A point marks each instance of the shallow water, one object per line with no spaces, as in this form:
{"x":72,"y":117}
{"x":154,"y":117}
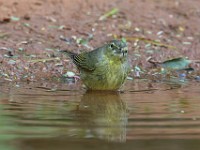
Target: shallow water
{"x":64,"y":116}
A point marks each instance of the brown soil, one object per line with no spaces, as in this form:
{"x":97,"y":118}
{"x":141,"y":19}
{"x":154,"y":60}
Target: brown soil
{"x":32,"y":30}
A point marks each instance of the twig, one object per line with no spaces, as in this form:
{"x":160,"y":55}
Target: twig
{"x":148,"y":41}
{"x":43,"y":60}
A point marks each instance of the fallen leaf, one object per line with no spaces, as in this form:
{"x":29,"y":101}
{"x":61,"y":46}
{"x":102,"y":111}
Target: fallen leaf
{"x":176,"y":63}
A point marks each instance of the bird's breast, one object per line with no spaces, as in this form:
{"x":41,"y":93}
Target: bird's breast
{"x":108,"y":75}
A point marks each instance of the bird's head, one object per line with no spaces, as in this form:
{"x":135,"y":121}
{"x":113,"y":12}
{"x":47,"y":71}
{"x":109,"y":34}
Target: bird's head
{"x":117,"y":49}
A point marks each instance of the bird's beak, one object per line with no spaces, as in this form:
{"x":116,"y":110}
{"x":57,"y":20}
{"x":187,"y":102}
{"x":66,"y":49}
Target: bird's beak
{"x":124,"y":51}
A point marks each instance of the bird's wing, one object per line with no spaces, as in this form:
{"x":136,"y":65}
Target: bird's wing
{"x":82,"y":61}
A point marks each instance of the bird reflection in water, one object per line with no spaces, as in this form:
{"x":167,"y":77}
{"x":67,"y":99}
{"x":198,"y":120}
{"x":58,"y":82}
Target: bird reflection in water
{"x":103,"y":115}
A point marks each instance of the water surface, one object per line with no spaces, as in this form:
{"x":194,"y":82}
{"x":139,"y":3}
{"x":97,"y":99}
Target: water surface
{"x":144,"y":115}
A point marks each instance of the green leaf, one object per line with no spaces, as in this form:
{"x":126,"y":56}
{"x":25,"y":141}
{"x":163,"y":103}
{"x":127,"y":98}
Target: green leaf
{"x":176,"y":63}
{"x":124,"y":40}
{"x":61,"y":27}
{"x":69,"y":74}
{"x":21,"y":49}
{"x":26,"y":24}
{"x":137,"y":68}
{"x":82,"y":41}
{"x":109,"y":14}
{"x":11,"y":62}
{"x":13,"y":18}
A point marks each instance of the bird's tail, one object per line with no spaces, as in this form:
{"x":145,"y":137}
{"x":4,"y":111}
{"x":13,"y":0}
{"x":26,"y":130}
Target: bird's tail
{"x":68,"y":53}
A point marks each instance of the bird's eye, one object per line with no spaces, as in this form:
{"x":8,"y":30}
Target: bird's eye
{"x":112,"y":45}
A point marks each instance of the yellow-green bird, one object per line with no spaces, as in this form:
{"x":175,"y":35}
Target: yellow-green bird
{"x":104,"y":68}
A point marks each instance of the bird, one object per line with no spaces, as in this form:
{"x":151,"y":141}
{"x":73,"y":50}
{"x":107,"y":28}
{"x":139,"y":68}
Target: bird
{"x":104,"y":68}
